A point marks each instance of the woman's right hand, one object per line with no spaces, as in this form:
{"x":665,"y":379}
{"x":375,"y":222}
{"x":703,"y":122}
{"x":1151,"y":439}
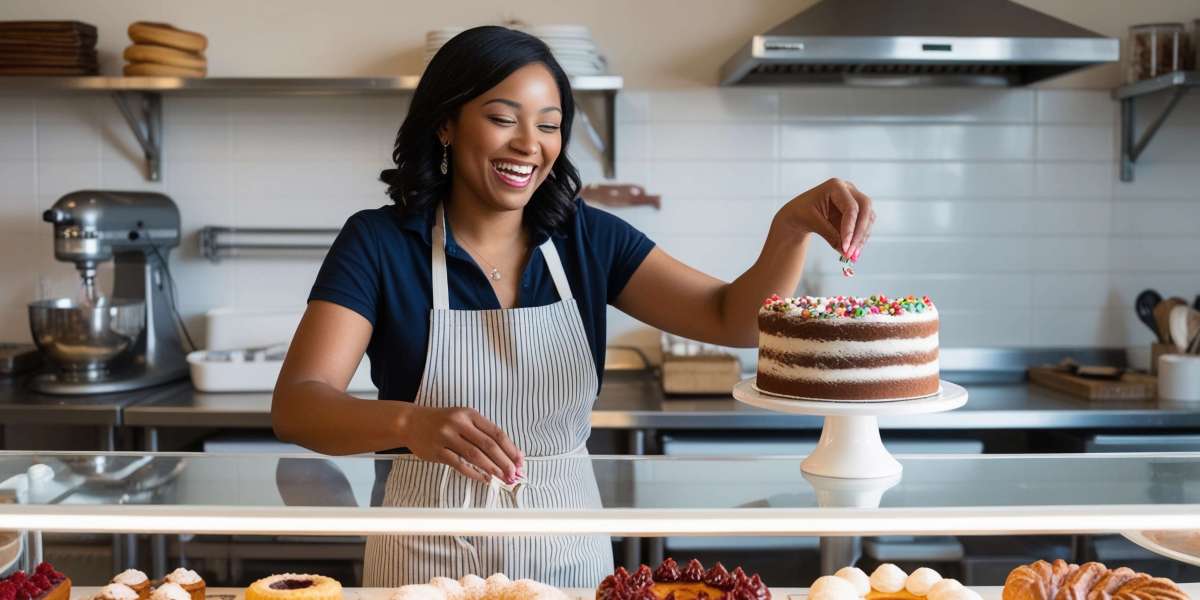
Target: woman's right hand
{"x":465,"y":440}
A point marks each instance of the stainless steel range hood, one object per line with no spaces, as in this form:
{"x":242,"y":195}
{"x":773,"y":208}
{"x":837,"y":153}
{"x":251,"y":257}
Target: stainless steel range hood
{"x":917,"y":42}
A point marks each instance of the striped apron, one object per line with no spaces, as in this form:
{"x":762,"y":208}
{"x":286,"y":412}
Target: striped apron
{"x":530,"y":371}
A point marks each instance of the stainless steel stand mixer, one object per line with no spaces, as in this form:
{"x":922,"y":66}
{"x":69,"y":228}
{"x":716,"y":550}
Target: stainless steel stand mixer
{"x":129,"y":341}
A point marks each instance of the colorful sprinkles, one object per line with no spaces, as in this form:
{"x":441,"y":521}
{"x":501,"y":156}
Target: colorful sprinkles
{"x":846,"y":307}
{"x":847,"y":265}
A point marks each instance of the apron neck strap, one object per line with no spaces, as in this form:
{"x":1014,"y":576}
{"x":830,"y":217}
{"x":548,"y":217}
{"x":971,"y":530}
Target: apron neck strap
{"x":441,"y":286}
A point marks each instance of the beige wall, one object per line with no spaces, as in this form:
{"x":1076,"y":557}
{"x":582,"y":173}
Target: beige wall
{"x":654,"y":44}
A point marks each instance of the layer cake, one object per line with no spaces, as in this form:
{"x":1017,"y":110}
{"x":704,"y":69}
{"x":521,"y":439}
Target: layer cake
{"x":848,"y":349}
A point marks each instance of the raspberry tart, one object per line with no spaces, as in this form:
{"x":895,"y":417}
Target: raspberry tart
{"x":669,"y":582}
{"x":44,"y":584}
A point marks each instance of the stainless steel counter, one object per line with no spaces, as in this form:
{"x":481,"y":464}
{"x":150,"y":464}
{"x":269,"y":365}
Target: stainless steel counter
{"x":627,"y":401}
{"x":20,"y":406}
{"x":635,"y":401}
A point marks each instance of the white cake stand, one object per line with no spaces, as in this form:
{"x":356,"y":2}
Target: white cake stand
{"x":850,"y":446}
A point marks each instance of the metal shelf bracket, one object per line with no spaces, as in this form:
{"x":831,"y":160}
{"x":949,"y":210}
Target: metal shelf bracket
{"x":143,"y":112}
{"x":604,"y":138}
{"x":1132,"y":145}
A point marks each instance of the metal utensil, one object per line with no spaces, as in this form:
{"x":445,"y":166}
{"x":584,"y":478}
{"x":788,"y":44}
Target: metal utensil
{"x":1145,"y":303}
{"x":82,"y":341}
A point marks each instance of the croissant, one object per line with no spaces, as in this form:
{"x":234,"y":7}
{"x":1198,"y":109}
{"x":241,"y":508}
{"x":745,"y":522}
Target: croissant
{"x":1091,"y":581}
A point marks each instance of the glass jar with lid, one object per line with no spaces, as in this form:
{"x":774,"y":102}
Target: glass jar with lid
{"x":1157,"y":49}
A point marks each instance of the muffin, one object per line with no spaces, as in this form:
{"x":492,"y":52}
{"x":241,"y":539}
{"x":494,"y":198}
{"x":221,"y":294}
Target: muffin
{"x":135,"y":580}
{"x":189,"y":580}
{"x":170,"y":591}
{"x":116,"y":591}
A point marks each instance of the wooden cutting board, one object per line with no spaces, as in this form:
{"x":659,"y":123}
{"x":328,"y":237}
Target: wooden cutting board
{"x":1131,"y":386}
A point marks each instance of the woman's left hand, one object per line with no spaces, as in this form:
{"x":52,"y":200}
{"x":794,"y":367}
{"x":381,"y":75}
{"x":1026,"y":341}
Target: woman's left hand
{"x":836,"y":211}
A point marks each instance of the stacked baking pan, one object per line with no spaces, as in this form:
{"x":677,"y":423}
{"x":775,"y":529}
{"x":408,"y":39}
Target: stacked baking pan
{"x":55,"y":48}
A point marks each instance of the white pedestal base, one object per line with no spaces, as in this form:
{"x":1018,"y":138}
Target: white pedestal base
{"x":850,"y":446}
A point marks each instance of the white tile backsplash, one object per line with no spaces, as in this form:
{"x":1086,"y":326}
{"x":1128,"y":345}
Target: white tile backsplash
{"x":1076,"y":142}
{"x":939,"y":105}
{"x":1075,"y":180}
{"x":940,"y":179}
{"x":672,"y":140}
{"x":714,"y":104}
{"x":681,"y":181}
{"x":1002,"y":204}
{"x":18,"y":140}
{"x":906,"y":142}
{"x":17,"y":109}
{"x":1076,"y":107}
{"x":1149,"y":217}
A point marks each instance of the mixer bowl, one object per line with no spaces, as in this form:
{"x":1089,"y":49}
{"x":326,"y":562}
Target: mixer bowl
{"x":84,"y":340}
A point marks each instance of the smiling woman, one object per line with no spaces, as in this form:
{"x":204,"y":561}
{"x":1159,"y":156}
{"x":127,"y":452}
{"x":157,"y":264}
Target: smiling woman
{"x":452,"y":122}
{"x":480,"y":297}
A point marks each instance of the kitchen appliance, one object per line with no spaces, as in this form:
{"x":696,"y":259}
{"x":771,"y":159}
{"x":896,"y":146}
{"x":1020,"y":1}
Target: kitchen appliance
{"x":130,"y":341}
{"x":917,"y":42}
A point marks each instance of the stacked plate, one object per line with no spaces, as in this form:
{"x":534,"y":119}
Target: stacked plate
{"x":572,"y":46}
{"x":436,"y":38}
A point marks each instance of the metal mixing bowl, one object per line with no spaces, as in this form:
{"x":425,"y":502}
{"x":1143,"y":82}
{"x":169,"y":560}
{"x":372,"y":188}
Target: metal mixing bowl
{"x":84,"y":340}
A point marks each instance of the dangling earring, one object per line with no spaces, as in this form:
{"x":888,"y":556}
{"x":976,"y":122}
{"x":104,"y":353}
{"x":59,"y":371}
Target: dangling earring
{"x":445,"y":158}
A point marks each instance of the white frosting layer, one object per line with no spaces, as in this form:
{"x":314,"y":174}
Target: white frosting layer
{"x":170,"y":591}
{"x":920,"y":581}
{"x":130,"y":577}
{"x":888,"y":578}
{"x":116,"y":591}
{"x":889,"y":373}
{"x":857,"y":577}
{"x":847,"y":348}
{"x":183,"y":576}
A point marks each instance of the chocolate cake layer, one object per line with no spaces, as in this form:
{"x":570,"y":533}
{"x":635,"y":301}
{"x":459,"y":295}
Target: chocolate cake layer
{"x":848,"y":391}
{"x":826,"y":361}
{"x":785,"y":326}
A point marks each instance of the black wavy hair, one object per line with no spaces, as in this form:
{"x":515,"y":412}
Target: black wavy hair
{"x":468,"y":65}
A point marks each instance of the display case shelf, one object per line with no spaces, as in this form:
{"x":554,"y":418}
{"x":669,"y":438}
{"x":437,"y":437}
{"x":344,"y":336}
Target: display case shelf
{"x":140,"y":100}
{"x":649,"y":496}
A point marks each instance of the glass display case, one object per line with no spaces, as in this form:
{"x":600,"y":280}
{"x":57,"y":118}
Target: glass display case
{"x":1152,"y":498}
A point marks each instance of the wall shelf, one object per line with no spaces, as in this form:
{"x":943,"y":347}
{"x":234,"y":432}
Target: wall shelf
{"x":140,"y":100}
{"x":1177,"y":83}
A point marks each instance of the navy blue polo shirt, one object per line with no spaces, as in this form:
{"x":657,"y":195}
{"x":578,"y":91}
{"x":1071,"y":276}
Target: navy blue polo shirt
{"x":379,"y":266}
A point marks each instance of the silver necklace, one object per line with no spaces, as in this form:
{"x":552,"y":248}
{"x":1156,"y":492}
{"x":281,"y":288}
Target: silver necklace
{"x":495,"y":274}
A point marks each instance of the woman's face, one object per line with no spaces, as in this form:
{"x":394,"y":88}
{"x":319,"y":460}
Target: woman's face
{"x":505,"y":141}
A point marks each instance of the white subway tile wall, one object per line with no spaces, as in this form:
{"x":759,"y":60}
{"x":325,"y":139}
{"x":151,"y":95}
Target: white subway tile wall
{"x":1003,"y":205}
